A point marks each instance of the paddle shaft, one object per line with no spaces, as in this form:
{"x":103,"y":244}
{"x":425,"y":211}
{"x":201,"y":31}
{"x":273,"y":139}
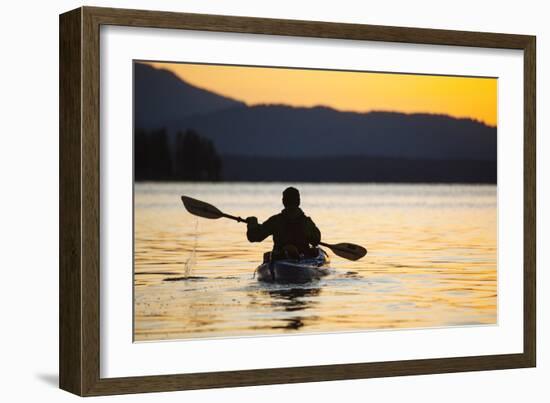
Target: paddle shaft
{"x":239,"y":219}
{"x":232,"y":217}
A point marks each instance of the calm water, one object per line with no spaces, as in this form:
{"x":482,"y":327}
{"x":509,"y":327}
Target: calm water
{"x":431,"y":260}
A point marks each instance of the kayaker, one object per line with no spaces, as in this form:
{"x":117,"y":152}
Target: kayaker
{"x":293,"y":232}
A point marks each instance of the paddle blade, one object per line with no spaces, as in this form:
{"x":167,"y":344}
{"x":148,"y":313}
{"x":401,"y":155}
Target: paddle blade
{"x":200,"y":208}
{"x":347,"y":250}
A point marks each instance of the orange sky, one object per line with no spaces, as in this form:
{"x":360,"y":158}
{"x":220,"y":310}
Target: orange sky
{"x":348,"y":91}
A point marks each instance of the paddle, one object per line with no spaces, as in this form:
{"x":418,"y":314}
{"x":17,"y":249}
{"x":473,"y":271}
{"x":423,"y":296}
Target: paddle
{"x":205,"y":210}
{"x":346,"y":250}
{"x":199,"y":208}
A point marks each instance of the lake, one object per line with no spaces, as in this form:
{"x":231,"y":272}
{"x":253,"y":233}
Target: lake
{"x":432,"y":260}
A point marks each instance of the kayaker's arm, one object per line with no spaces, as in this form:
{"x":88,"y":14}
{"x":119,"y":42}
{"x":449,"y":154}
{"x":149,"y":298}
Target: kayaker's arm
{"x":312,"y":232}
{"x":258,"y":232}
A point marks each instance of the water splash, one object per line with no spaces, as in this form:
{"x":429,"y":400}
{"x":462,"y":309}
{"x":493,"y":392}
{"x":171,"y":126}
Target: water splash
{"x":192,"y":259}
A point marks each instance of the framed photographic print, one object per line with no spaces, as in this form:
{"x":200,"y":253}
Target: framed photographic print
{"x":249,"y":201}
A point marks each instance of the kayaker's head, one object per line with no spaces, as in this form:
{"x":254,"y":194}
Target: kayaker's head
{"x":291,"y":197}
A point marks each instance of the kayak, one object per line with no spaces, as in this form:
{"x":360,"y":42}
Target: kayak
{"x":294,"y":271}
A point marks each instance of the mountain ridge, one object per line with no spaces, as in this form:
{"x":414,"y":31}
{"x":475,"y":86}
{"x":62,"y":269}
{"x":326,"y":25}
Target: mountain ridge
{"x":163,"y":100}
{"x":281,"y":130}
{"x":160,"y":96}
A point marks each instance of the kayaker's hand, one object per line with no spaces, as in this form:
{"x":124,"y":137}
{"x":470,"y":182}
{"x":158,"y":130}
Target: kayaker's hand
{"x":252,"y":221}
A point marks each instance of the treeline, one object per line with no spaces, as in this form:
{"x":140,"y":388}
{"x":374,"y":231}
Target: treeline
{"x":357,"y":169}
{"x":191,"y":157}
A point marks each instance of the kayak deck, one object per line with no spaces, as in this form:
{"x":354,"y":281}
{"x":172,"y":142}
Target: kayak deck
{"x":294,"y":271}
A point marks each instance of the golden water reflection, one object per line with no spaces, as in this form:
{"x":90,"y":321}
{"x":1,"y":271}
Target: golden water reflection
{"x":431,"y":261}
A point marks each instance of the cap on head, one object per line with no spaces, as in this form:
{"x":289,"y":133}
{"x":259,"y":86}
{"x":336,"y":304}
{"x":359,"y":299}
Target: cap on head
{"x":291,"y":197}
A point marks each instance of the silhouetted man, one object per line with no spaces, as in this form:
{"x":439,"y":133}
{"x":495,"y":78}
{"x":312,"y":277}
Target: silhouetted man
{"x":292,"y":231}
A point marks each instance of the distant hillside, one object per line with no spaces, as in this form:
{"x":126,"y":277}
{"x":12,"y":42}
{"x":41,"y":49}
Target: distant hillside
{"x":160,"y":97}
{"x":279,"y":130}
{"x":281,"y":142}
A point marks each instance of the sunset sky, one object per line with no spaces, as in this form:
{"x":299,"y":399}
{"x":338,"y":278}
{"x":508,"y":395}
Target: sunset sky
{"x":474,"y":98}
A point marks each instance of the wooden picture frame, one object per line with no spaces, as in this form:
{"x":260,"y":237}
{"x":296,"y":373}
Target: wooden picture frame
{"x":79,"y":346}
